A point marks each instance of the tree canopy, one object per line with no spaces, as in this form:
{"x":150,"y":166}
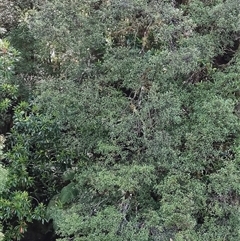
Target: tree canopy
{"x":120,"y":120}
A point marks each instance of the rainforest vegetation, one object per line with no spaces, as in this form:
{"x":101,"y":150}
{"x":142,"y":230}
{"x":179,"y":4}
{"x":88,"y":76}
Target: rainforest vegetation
{"x":119,"y":120}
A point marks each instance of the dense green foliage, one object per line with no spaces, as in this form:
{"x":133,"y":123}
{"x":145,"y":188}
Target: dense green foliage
{"x":121,"y":119}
